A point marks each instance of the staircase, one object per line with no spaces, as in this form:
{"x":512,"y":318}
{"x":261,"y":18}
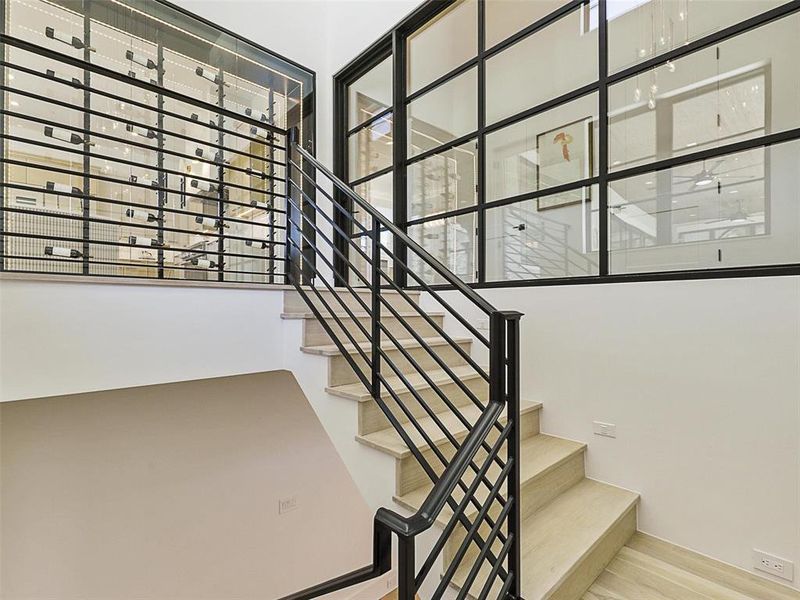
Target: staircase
{"x":485,"y":505}
{"x":572,"y":527}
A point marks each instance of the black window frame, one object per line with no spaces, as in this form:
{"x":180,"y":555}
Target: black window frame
{"x":396,"y":40}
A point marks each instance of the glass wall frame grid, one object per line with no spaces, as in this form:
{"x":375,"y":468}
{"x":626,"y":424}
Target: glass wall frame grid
{"x":603,"y":176}
{"x":218,"y":248}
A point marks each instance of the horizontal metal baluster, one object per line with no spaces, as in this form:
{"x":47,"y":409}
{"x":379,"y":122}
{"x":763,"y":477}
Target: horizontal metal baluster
{"x":37,"y":236}
{"x":430,"y":562}
{"x":428,"y":288}
{"x":343,"y":304}
{"x":166,"y":209}
{"x":140,"y":83}
{"x":472,"y":533}
{"x":122,"y":182}
{"x":142,"y":226}
{"x":511,"y":579}
{"x":476,"y":538}
{"x":91,"y":197}
{"x":134,"y":143}
{"x":137,"y":265}
{"x":122,"y":120}
{"x":434,"y":416}
{"x":167,"y":113}
{"x":123,"y":161}
{"x":385,"y":302}
{"x":487,"y":587}
{"x":336,"y":205}
{"x":476,"y":567}
{"x":416,"y":395}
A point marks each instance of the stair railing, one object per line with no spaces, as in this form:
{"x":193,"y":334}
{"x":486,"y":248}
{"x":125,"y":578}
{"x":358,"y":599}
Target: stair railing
{"x":480,"y":482}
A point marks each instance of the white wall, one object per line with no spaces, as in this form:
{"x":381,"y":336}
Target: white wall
{"x":62,"y":338}
{"x":172,"y":491}
{"x":702,"y":379}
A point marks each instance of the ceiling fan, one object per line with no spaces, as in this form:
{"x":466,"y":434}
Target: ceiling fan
{"x":705,"y":177}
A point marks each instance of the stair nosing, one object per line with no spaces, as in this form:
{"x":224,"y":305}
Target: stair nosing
{"x":366,"y":395}
{"x":332,"y":350}
{"x":310,"y":316}
{"x":630,"y":503}
{"x":441,"y":439}
{"x":576,"y":449}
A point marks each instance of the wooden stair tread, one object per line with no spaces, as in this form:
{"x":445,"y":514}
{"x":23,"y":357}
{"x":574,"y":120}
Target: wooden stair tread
{"x":539,"y":454}
{"x":691,"y":564}
{"x":332,"y":350}
{"x":389,"y":440}
{"x":357,"y":391}
{"x":556,"y":538}
{"x":359,"y":315}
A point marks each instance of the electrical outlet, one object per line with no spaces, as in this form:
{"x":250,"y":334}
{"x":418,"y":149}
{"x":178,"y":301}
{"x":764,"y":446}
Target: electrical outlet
{"x":391,"y":582}
{"x":780,"y":567}
{"x":605,"y":429}
{"x":287,"y":504}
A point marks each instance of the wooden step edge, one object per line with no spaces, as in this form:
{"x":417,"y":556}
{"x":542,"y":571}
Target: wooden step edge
{"x":407,"y":343}
{"x":366,"y":396}
{"x":409,"y":501}
{"x":567,"y":588}
{"x":358,"y":290}
{"x":310,"y":316}
{"x":369,"y":439}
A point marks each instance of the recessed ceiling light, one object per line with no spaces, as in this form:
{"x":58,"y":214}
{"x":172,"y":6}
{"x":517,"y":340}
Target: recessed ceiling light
{"x":691,"y":144}
{"x":734,"y":192}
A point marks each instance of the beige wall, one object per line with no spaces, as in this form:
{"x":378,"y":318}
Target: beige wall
{"x":171,"y":491}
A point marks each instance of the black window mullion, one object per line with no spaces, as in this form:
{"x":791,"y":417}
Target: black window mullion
{"x":221,"y":191}
{"x":602,"y":155}
{"x":3,"y":99}
{"x":162,"y":175}
{"x":480,"y":232}
{"x":399,"y":149}
{"x":87,"y":125}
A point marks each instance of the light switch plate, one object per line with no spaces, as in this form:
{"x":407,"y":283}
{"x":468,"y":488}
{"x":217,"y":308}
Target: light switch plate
{"x":605,"y":429}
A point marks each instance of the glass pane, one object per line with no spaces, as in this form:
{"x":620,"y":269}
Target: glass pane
{"x":444,"y":114}
{"x":547,"y":64}
{"x":550,"y":236}
{"x":370,"y":94}
{"x":379,"y":193}
{"x":443,"y":182}
{"x":736,"y":210}
{"x":370,"y":149}
{"x":552,"y":148}
{"x":442,"y":44}
{"x":451,"y":241}
{"x":746,"y":87}
{"x":641,"y":29}
{"x":506,"y":17}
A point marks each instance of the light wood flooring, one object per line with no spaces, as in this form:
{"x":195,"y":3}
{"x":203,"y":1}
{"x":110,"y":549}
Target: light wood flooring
{"x":651,"y":569}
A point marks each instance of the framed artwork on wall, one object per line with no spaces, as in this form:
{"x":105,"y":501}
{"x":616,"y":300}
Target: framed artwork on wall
{"x":564,"y":156}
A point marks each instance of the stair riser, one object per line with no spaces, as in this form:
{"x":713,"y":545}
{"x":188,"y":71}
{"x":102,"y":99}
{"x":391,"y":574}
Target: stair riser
{"x":293,"y":303}
{"x":371,"y":418}
{"x":314,"y":333}
{"x":410,"y":474}
{"x":340,"y":372}
{"x":535,"y":494}
{"x":591,"y":565}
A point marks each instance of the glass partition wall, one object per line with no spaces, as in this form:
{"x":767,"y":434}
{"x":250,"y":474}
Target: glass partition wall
{"x":140,"y":141}
{"x":576,"y":141}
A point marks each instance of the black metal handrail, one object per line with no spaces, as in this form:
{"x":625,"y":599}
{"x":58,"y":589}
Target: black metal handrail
{"x":478,"y":471}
